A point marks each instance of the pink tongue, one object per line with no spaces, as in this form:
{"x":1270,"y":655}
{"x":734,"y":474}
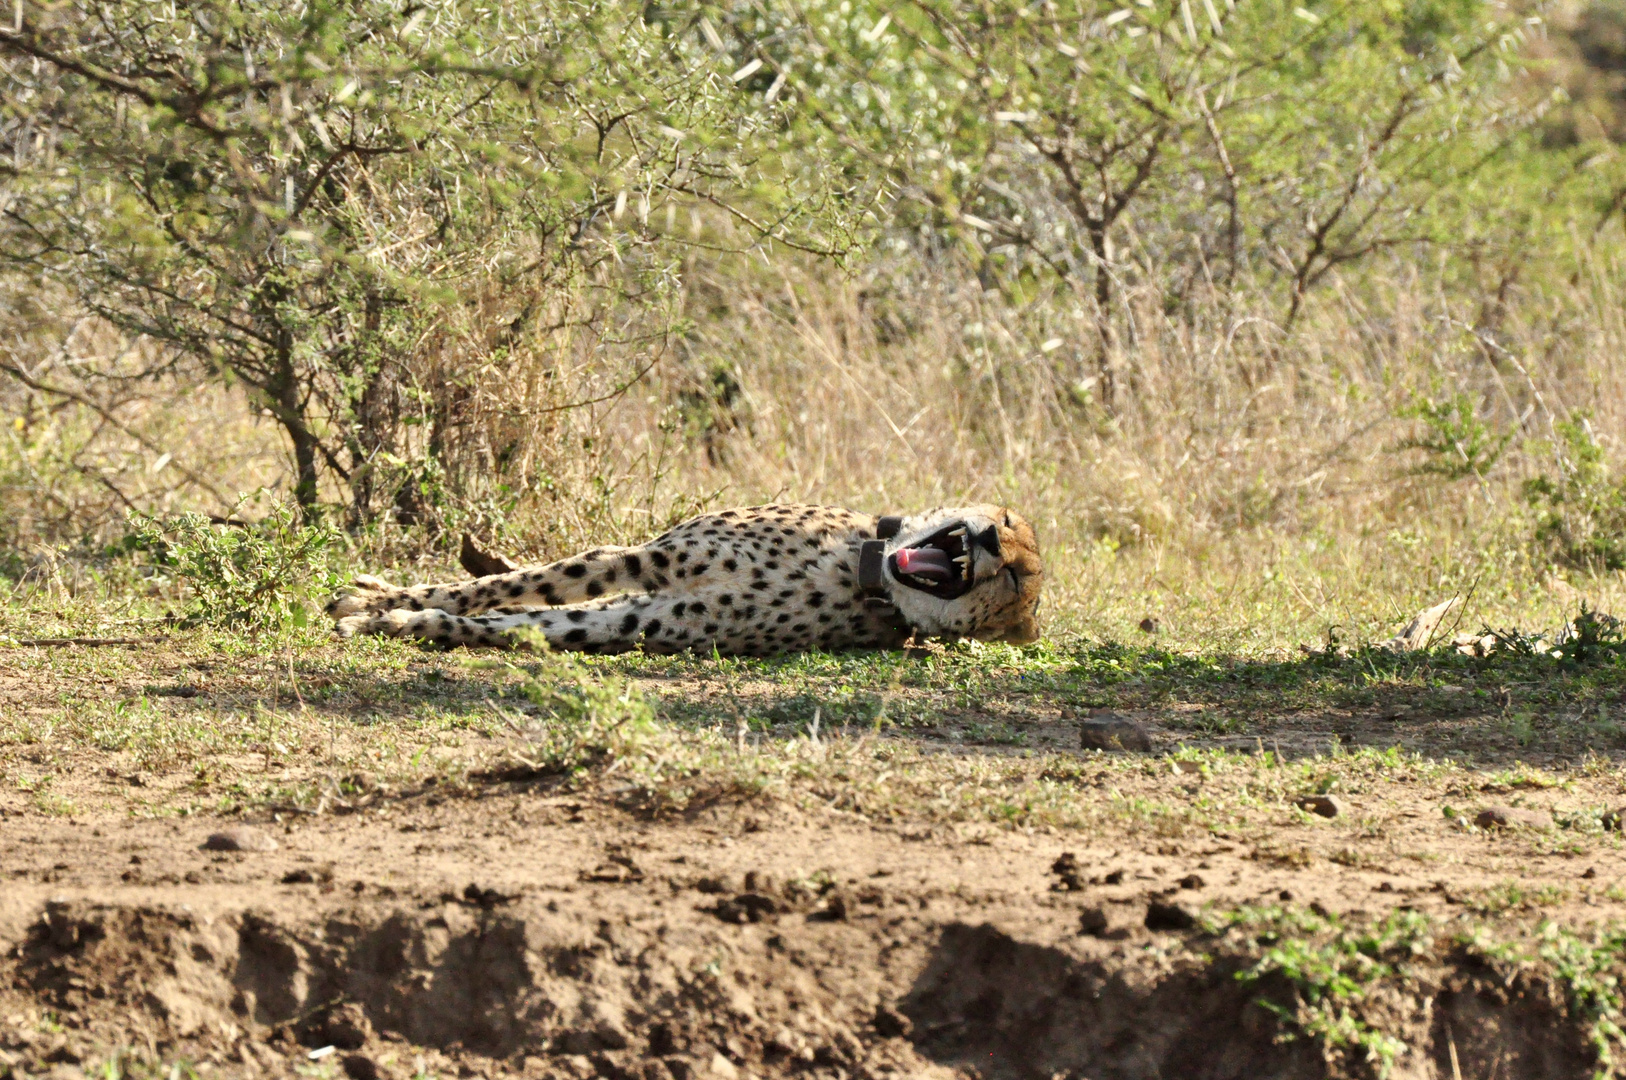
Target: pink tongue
{"x":927,"y":562}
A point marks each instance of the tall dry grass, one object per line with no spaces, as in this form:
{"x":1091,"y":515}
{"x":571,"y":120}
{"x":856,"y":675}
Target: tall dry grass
{"x":1248,"y":486}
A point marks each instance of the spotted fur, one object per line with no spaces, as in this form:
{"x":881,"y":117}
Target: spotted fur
{"x":752,"y":582}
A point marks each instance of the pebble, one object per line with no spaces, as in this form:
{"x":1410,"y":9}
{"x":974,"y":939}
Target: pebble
{"x":1513,"y":817}
{"x":240,"y":838}
{"x":1109,"y":731}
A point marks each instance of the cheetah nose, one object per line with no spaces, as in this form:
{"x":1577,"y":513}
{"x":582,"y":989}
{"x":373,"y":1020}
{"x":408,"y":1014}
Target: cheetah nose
{"x":988,"y":539}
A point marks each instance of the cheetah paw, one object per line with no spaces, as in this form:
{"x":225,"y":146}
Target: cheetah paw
{"x":367,"y":595}
{"x":389,"y":624}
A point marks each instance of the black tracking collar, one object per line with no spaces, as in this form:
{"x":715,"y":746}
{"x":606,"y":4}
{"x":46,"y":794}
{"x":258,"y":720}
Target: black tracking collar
{"x":872,"y":556}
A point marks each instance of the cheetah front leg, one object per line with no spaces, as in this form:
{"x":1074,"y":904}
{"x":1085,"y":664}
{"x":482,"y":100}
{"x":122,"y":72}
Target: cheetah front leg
{"x":658,"y":624}
{"x":600,"y":572}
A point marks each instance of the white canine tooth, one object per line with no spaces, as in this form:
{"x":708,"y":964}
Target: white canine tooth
{"x":958,"y":532}
{"x":962,"y":559}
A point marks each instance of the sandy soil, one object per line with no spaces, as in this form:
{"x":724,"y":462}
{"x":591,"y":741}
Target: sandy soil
{"x":516,"y":930}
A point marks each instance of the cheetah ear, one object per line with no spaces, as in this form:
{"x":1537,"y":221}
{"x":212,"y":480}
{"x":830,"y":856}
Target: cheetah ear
{"x":483,"y":564}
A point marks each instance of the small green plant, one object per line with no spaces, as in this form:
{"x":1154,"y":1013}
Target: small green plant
{"x":253,"y":576}
{"x":1581,"y":510}
{"x":1455,"y":442}
{"x":1330,"y":969}
{"x":585,"y":718}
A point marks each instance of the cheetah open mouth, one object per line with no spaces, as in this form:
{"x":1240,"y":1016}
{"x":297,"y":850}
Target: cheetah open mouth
{"x":939,"y":565}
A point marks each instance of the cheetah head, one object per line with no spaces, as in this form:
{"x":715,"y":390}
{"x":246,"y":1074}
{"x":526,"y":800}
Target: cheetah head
{"x":967,"y":571}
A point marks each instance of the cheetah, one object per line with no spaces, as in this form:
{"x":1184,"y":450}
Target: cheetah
{"x":757,"y":581}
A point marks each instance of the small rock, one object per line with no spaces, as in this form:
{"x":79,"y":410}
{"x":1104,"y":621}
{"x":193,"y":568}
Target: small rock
{"x":1285,"y":896}
{"x":1192,"y":881}
{"x":1327,"y":806}
{"x":756,"y":881}
{"x":1590,"y":873}
{"x":711,"y":886}
{"x":240,"y":838}
{"x":1116,"y":877}
{"x":1150,"y":625}
{"x":1513,"y":817}
{"x":1612,"y":819}
{"x":892,"y":1024}
{"x":1109,"y":731}
{"x":722,"y":1068}
{"x":1161,"y":915}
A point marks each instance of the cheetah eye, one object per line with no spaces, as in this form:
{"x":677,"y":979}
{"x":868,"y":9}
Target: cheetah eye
{"x":1016,"y":582}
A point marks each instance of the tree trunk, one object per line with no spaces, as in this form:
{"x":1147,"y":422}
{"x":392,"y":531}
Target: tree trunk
{"x":1103,"y":303}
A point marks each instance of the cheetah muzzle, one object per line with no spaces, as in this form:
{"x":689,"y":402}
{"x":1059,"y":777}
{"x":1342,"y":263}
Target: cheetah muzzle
{"x":755,"y":581}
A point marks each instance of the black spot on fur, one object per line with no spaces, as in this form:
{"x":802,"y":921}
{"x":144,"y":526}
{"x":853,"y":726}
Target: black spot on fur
{"x":697,"y":608}
{"x":659,"y":559}
{"x":575,"y":570}
{"x":726,"y":600}
{"x":595,"y":589}
{"x":730,"y":565}
{"x":629,"y":624}
{"x":576,"y":636}
{"x":576,"y":616}
{"x":652,"y":627}
{"x":679,"y":609}
{"x":635,"y":566}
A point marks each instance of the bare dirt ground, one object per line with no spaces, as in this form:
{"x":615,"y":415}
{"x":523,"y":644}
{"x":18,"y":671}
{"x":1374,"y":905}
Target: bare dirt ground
{"x":512,"y":929}
{"x":965,"y":893}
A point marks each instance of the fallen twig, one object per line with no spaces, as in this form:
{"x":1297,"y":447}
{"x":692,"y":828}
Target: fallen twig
{"x":55,"y":642}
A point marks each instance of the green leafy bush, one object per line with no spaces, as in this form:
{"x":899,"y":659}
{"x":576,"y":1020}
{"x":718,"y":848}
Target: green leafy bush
{"x":1581,"y":509}
{"x":256,"y":576}
{"x":1455,"y":441}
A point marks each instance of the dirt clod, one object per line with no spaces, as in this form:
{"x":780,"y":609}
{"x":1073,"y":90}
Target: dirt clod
{"x":1513,"y":817}
{"x":1066,"y":869}
{"x":1110,"y":731}
{"x":1192,"y":881}
{"x":892,"y":1024}
{"x":1163,"y":915}
{"x":1111,"y":921}
{"x":746,"y":907}
{"x":240,"y":838}
{"x":360,"y":1067}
